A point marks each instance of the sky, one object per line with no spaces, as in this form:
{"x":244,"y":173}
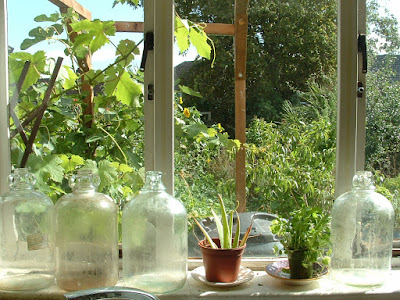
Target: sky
{"x":22,"y":12}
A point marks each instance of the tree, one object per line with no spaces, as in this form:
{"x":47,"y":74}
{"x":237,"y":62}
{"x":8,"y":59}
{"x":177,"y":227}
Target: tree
{"x":383,"y":127}
{"x":289,"y":42}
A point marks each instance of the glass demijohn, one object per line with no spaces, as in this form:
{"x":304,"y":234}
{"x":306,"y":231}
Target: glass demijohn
{"x":86,"y":236}
{"x":26,"y":256}
{"x":362,"y":234}
{"x":154,"y":239}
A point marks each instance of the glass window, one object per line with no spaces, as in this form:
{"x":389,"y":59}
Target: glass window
{"x":382,"y":122}
{"x":291,"y":107}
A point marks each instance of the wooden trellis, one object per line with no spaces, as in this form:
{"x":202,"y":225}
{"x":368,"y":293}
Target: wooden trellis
{"x":239,"y":31}
{"x":37,"y":115}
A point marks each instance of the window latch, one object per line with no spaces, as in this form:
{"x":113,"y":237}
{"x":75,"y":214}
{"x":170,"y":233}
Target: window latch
{"x":362,"y":47}
{"x":360,"y":89}
{"x":148,"y":45}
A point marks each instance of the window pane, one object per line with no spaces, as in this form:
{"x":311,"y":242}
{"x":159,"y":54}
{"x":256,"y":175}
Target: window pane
{"x":94,"y":117}
{"x":291,"y":110}
{"x":383,"y":127}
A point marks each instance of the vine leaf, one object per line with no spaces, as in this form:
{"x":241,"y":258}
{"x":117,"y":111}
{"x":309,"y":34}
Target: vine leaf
{"x":189,"y":91}
{"x":52,"y":168}
{"x":126,"y":50}
{"x":107,"y":173}
{"x":70,"y":163}
{"x":199,"y":39}
{"x":182,"y":35}
{"x":70,"y":80}
{"x":93,"y":34}
{"x":52,"y":18}
{"x":37,"y":66}
{"x":123,"y":87}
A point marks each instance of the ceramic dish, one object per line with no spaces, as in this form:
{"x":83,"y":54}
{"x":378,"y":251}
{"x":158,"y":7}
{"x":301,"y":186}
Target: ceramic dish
{"x":245,"y":275}
{"x":280,"y":270}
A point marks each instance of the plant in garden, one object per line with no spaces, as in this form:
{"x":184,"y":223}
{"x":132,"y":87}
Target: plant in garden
{"x":290,"y":165}
{"x":307,"y":229}
{"x":228,"y":239}
{"x":197,"y":146}
{"x":107,"y":138}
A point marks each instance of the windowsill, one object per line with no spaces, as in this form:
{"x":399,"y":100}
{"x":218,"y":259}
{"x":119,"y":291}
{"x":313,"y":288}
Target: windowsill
{"x":262,"y":286}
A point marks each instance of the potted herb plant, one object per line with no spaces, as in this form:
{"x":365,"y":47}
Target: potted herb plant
{"x":222,"y":255}
{"x":305,"y":237}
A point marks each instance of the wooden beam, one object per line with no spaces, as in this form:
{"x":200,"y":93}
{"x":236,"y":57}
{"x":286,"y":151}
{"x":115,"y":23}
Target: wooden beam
{"x":80,"y":9}
{"x":241,"y":22}
{"x":219,"y":29}
{"x":211,"y":28}
{"x":122,"y":26}
{"x":42,"y":110}
{"x":85,"y":64}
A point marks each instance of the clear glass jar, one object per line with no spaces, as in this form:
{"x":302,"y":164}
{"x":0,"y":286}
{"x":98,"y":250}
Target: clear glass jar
{"x":86,"y":236}
{"x":26,"y":259}
{"x":154,"y":239}
{"x":362,"y":234}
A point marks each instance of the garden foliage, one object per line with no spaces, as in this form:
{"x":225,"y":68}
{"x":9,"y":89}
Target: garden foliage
{"x":290,"y":162}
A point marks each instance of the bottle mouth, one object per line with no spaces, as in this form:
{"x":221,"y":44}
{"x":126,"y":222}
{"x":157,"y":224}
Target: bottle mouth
{"x":153,"y":181}
{"x":363,"y":180}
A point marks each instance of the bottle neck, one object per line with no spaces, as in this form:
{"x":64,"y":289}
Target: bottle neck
{"x":363,"y":180}
{"x":153,"y":182}
{"x":21,"y":179}
{"x":85,"y":182}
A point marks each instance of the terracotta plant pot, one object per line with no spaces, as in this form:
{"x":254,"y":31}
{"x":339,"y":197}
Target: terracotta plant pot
{"x":297,"y":270}
{"x":221,"y":265}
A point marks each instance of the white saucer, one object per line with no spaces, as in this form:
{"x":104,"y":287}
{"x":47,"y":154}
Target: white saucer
{"x":245,"y":275}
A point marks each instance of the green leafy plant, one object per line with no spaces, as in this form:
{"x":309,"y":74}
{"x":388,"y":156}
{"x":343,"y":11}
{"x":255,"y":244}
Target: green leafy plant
{"x":308,"y":230}
{"x":228,"y":240}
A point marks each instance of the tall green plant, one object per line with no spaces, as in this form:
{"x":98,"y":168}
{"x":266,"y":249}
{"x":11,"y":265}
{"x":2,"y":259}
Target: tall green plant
{"x":113,"y":144}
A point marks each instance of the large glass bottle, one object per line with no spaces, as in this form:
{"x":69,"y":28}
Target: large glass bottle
{"x":26,"y":256}
{"x":86,"y":236}
{"x":362,"y":234}
{"x":154,"y":239}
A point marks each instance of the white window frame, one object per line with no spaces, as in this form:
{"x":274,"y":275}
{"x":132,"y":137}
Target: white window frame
{"x":350,"y":140}
{"x":5,"y":156}
{"x":159,"y":72}
{"x":159,"y":116}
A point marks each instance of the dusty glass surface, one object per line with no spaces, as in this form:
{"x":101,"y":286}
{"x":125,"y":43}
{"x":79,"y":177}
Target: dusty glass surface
{"x":27,"y":261}
{"x":362,"y":234}
{"x":154,"y":239}
{"x":86,"y":237}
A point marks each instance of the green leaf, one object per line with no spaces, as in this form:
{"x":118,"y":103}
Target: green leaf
{"x":52,"y":167}
{"x":131,"y":2}
{"x":227,"y":243}
{"x":107,"y":173}
{"x":93,"y":33}
{"x":52,"y":18}
{"x":237,"y":233}
{"x":127,"y":49}
{"x":70,"y":81}
{"x":95,"y":137}
{"x":207,"y":236}
{"x":195,"y":129}
{"x":187,"y":90}
{"x":70,"y":163}
{"x":17,"y":61}
{"x":39,"y":34}
{"x":182,"y":35}
{"x":199,"y":39}
{"x":127,"y":90}
{"x":220,"y":229}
